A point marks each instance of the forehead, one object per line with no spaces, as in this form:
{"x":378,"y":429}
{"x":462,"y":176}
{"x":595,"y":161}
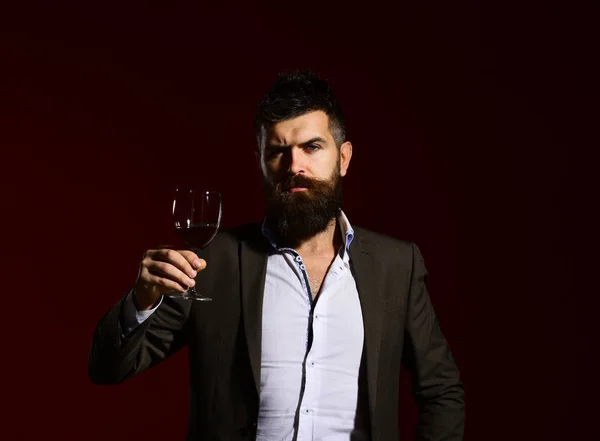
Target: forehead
{"x":300,"y":129}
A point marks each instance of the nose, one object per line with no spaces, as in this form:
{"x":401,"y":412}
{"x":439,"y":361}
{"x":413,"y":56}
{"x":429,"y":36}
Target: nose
{"x":296,"y":161}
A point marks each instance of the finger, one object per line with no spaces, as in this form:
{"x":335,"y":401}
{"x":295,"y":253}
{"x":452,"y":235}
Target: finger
{"x":196,"y":262}
{"x":164,"y":284}
{"x":176,"y":259}
{"x":169,"y":271}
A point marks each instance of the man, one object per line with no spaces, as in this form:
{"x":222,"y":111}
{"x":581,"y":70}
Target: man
{"x":311,"y":317}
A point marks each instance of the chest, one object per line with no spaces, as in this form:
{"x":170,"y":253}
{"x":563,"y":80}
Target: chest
{"x":316,"y":270}
{"x":334,"y":323}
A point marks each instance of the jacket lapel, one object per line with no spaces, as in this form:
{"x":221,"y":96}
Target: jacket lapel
{"x":365,"y":270}
{"x":254,"y":253}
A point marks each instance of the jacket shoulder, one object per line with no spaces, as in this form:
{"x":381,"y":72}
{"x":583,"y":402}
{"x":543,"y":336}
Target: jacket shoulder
{"x":381,"y":240}
{"x":386,"y":248}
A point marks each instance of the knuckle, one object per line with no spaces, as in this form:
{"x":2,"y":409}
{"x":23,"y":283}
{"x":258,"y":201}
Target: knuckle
{"x":144,"y":274}
{"x":160,"y":281}
{"x":190,"y":256}
{"x":146,"y":262}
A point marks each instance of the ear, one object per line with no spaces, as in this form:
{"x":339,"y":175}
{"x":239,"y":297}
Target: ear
{"x":345,"y":156}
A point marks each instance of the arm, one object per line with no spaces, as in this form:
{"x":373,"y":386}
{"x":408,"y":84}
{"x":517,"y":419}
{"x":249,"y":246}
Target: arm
{"x":116,"y":355}
{"x":124,"y":345}
{"x":436,"y":386}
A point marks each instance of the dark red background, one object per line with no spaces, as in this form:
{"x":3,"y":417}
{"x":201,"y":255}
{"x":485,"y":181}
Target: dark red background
{"x":467,"y":121}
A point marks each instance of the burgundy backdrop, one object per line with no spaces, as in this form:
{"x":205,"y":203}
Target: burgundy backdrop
{"x":463,"y":117}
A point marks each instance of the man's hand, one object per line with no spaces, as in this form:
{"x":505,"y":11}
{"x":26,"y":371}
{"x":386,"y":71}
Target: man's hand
{"x":165,"y":271}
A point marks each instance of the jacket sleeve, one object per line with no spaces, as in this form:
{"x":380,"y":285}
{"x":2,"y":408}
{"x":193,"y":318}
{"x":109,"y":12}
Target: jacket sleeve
{"x":113,"y":357}
{"x":436,"y":386}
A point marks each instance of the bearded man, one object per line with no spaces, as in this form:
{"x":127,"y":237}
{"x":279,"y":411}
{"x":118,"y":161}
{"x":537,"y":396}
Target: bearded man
{"x":311,"y":317}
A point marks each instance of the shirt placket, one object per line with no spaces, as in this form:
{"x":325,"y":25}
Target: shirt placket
{"x":305,"y":413}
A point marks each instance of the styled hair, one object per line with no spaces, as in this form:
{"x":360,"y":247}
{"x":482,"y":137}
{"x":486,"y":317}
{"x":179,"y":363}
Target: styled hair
{"x":294,"y":94}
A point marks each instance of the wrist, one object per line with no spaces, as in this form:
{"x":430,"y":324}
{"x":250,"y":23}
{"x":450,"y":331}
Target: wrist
{"x":143,"y":302}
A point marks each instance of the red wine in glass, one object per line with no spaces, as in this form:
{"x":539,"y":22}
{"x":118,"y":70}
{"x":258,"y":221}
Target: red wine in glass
{"x":198,"y":236}
{"x":196,"y":219}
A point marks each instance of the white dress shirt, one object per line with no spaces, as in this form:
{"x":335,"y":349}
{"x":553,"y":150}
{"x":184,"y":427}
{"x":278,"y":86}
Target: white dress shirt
{"x":311,"y":350}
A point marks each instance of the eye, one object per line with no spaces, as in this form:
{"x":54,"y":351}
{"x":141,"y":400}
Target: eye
{"x":313,"y":147}
{"x":274,"y":152}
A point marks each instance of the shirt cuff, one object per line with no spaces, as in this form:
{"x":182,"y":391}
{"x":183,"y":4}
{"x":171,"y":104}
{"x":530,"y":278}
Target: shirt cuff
{"x":132,"y":318}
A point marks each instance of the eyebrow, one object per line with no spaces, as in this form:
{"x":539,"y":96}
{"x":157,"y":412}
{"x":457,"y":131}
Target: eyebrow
{"x":310,"y":141}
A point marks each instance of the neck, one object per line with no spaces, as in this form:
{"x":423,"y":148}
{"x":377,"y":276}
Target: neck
{"x":324,"y":242}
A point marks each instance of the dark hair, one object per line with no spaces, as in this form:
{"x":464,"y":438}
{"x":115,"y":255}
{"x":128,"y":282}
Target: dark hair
{"x":295,"y":94}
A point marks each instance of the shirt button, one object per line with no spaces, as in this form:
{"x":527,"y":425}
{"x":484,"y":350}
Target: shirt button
{"x":306,"y":410}
{"x":303,"y":266}
{"x":312,"y":363}
{"x":298,"y":259}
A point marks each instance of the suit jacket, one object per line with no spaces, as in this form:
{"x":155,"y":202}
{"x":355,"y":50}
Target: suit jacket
{"x":224,"y":339}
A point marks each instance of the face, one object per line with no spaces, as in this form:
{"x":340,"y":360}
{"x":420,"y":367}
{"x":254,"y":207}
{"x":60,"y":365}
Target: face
{"x":302,"y":169}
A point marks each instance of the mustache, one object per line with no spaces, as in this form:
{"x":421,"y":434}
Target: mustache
{"x":297,"y":181}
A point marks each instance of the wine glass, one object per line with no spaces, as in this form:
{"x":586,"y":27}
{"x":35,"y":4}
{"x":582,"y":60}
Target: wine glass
{"x":196,"y":219}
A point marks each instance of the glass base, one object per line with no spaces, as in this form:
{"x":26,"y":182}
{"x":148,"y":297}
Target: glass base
{"x":192,"y":294}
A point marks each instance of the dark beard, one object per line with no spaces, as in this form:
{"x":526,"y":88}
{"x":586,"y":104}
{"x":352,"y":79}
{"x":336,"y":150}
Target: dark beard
{"x":294,"y":217}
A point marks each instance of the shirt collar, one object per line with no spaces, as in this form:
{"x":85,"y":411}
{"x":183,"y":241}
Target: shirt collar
{"x":343,"y":222}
